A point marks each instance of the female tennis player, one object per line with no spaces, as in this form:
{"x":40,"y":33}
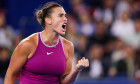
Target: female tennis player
{"x":46,"y":57}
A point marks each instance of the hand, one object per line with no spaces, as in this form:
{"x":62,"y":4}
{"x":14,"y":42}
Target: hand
{"x":83,"y":63}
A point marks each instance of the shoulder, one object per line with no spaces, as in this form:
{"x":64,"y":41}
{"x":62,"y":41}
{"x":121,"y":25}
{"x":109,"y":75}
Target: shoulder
{"x":29,"y":42}
{"x":68,"y":48}
{"x":66,"y":42}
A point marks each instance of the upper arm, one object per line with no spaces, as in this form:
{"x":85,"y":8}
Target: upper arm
{"x":19,"y":57}
{"x":68,"y":65}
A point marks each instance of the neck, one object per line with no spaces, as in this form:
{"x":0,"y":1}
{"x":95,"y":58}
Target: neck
{"x":49,"y":37}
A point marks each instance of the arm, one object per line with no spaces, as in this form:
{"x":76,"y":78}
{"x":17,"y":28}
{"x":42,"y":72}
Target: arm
{"x":18,"y":59}
{"x":69,"y":75}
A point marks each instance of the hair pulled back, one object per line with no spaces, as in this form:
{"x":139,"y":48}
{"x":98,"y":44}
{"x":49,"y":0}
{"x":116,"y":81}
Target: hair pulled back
{"x":45,"y":11}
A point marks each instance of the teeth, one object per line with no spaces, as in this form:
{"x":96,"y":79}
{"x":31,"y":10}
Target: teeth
{"x":64,"y":25}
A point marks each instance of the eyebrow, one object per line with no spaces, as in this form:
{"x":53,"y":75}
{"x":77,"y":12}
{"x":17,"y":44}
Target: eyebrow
{"x":63,"y":14}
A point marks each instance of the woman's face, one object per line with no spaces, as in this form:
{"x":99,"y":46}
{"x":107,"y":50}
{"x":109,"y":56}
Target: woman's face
{"x":58,"y":20}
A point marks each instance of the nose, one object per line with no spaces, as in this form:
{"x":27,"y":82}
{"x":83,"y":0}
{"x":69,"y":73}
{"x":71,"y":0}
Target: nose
{"x":65,"y":19}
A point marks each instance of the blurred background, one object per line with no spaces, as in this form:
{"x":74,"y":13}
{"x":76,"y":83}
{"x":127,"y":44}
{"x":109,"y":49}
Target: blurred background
{"x":107,"y":32}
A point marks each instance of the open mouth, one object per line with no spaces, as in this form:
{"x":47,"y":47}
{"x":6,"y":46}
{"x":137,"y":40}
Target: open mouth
{"x":64,"y":26}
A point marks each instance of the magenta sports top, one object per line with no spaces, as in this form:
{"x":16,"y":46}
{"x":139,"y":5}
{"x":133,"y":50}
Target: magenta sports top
{"x":46,"y":65}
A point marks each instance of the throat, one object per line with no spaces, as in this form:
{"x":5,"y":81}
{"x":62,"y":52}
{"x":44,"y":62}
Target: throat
{"x":49,"y":39}
{"x":51,"y":43}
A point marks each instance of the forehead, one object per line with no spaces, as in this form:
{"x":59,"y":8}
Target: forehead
{"x":59,"y":10}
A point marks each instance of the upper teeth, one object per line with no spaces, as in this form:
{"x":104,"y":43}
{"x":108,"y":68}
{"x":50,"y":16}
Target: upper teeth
{"x":64,"y":24}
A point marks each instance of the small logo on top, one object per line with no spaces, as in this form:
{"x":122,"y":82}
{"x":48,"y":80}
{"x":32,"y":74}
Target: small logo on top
{"x":49,"y":53}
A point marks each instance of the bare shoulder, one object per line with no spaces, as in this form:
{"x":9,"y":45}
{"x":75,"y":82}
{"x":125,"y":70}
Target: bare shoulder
{"x":29,"y":42}
{"x":66,"y":42}
{"x":68,"y":48}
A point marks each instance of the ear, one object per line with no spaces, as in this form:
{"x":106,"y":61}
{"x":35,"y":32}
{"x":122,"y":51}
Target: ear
{"x":48,"y":20}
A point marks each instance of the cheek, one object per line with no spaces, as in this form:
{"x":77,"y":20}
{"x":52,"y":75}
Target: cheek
{"x":58,"y":23}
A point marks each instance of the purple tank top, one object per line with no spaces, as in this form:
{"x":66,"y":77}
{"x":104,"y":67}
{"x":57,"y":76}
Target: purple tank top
{"x":45,"y":66}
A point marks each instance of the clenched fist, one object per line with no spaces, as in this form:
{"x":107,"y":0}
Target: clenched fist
{"x":83,"y":63}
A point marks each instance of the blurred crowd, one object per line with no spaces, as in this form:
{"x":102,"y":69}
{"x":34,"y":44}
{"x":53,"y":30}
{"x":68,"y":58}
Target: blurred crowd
{"x":9,"y":39}
{"x":107,"y":32}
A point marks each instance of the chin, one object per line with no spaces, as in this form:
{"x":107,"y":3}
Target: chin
{"x":62,"y":33}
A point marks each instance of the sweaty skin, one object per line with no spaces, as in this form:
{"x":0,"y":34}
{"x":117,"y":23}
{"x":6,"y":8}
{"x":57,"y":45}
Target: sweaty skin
{"x":27,"y":47}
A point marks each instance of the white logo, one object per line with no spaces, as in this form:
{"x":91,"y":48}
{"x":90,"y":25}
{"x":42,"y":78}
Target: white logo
{"x":49,"y":53}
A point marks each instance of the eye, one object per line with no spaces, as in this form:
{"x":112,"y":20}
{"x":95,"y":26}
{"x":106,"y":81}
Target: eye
{"x":61,"y":15}
{"x":66,"y":15}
